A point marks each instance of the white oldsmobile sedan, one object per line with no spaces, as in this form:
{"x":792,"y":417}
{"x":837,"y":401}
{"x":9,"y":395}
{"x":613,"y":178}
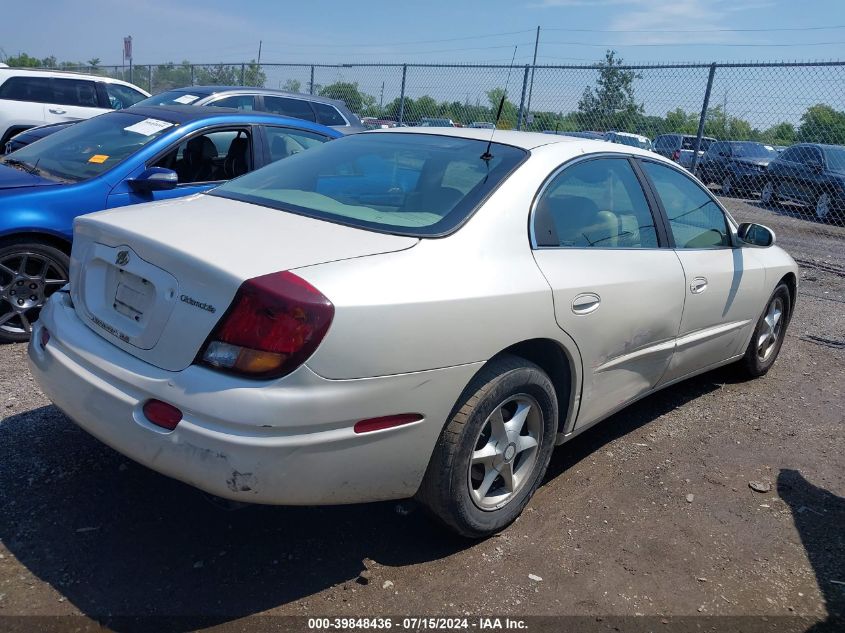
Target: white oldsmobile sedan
{"x":415,"y":312}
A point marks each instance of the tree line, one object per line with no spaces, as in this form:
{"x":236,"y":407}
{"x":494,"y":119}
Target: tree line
{"x":611,"y":104}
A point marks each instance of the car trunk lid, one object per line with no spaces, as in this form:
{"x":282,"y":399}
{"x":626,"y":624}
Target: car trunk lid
{"x":155,"y":279}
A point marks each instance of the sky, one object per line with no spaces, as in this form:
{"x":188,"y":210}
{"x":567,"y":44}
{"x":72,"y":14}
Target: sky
{"x":319,"y":31}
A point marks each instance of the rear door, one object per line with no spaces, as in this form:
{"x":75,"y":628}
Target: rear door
{"x":618,"y":289}
{"x":73,"y":99}
{"x":723,"y":283}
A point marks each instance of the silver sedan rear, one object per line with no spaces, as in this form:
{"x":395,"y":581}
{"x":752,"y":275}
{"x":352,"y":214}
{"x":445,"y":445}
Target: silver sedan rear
{"x":405,"y":313}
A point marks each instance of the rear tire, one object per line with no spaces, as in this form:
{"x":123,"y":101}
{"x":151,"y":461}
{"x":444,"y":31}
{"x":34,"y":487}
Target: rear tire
{"x":29,"y":273}
{"x":493,"y":453}
{"x":765,"y":344}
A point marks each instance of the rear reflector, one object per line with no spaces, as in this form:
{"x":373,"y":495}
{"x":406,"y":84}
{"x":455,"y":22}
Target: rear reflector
{"x":162,"y":414}
{"x":387,"y":422}
{"x":44,"y":337}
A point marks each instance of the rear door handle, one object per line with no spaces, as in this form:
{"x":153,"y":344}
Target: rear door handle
{"x":585,"y":303}
{"x":58,"y":111}
{"x":698,"y":285}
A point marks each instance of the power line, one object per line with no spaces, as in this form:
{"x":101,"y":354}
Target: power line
{"x":772,"y":30}
{"x":451,"y":39}
{"x":659,"y":44}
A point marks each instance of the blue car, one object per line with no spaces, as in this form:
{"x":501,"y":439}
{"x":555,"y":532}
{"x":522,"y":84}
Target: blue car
{"x":116,"y":159}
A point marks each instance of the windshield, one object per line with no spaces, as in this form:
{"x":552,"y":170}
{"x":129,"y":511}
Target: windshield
{"x":88,"y":148}
{"x":410,"y":184}
{"x":835,"y":157}
{"x":633,"y":141}
{"x":753,"y":150}
{"x":172,"y":97}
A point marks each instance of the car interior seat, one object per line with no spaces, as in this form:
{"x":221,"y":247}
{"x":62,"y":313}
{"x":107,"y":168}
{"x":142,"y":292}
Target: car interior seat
{"x":284,"y":146}
{"x":197,"y":162}
{"x":574,"y":221}
{"x":237,"y":158}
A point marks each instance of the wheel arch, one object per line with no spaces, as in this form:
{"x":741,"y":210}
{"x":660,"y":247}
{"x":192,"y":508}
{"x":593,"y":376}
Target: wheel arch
{"x":791,"y":282}
{"x":12,"y":130}
{"x":50,"y":239}
{"x":554,"y":359}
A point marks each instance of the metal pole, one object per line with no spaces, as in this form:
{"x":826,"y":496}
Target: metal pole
{"x":311,"y":85}
{"x":703,"y":117}
{"x":533,"y":68}
{"x":150,"y":78}
{"x":522,"y":100}
{"x":192,"y":74}
{"x":402,"y":94}
{"x":243,"y":74}
{"x":130,"y":71}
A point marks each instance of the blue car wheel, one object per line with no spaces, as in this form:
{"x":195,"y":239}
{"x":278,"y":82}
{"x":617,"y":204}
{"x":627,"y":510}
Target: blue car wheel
{"x":29,"y":273}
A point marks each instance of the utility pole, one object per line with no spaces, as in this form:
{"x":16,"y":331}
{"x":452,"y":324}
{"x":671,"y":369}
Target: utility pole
{"x":259,"y":53}
{"x":533,"y":69}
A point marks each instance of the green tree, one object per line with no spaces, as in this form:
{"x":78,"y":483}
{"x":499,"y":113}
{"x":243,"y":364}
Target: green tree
{"x":292,"y":85}
{"x":347,"y":92}
{"x":507,"y":120}
{"x":822,"y":123}
{"x":680,"y":122}
{"x":253,"y":75}
{"x":611,"y":104}
{"x":780,"y":134}
{"x":23,"y":61}
{"x":168,"y":76}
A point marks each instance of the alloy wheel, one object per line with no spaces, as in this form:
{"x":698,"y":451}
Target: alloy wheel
{"x":26,"y":280}
{"x":727,"y":185}
{"x":768,"y":193}
{"x":505,"y":452}
{"x":769,"y":333}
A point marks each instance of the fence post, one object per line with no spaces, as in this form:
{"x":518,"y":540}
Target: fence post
{"x":703,"y":118}
{"x":311,"y":85}
{"x":243,"y":74}
{"x":192,"y":74}
{"x":150,"y":78}
{"x":522,"y":100}
{"x":402,"y":94}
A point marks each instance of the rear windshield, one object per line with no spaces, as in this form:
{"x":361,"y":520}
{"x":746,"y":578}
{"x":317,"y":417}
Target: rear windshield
{"x":173,"y":97}
{"x":835,"y":158}
{"x":88,"y":148}
{"x":689,"y":143}
{"x":408,"y":184}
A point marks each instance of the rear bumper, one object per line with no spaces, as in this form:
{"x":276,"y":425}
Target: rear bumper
{"x":287,"y":442}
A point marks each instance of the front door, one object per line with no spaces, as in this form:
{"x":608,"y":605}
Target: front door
{"x":618,"y":291}
{"x":722,"y":283}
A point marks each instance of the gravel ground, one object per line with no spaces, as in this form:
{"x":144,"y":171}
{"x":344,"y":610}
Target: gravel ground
{"x":649,"y":513}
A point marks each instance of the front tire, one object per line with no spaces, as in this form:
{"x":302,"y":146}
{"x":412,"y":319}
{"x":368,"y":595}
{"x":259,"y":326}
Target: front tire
{"x":769,"y":194}
{"x":824,"y":206}
{"x":29,"y":273}
{"x":494,"y":451}
{"x":765,"y":344}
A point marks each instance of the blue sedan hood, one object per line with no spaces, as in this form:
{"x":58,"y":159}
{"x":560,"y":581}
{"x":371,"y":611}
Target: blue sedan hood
{"x":11,"y":178}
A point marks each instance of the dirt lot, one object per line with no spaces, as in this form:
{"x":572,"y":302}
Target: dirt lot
{"x":649,"y":513}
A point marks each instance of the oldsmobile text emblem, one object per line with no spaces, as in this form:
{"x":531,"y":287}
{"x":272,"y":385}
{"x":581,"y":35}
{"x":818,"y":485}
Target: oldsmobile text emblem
{"x":198,"y":304}
{"x":122,"y":258}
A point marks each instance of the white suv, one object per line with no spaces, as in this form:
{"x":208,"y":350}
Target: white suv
{"x":30,"y":97}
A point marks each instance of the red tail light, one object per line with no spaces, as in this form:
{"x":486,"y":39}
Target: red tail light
{"x":676,"y":155}
{"x":273,"y":325}
{"x":162,"y":414}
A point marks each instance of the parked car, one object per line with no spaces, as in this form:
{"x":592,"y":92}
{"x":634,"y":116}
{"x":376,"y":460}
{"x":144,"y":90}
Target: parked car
{"x":738,"y":166}
{"x":811,"y":174}
{"x":482,"y":125}
{"x":626,"y":138}
{"x":22,"y":139}
{"x":680,"y":147}
{"x":434,"y":122}
{"x":31,"y":97}
{"x":330,"y":112}
{"x":351,"y":325}
{"x":596,"y":136}
{"x":118,"y":159}
{"x":373,"y":123}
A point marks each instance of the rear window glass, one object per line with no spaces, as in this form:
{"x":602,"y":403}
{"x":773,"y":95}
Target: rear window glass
{"x":27,"y":89}
{"x":327,"y":114}
{"x":689,"y":143}
{"x":296,"y":108}
{"x":173,"y":97}
{"x":409,"y":184}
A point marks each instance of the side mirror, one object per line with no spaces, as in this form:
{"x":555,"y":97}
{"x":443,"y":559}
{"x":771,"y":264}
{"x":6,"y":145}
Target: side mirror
{"x":154,"y":179}
{"x":816,"y":166}
{"x":755,"y":235}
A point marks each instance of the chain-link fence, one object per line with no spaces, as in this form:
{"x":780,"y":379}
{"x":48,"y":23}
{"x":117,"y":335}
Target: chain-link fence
{"x":768,"y":138}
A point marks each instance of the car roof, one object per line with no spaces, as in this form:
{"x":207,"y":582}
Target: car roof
{"x":52,"y":72}
{"x":186,"y":114}
{"x":524,"y":140}
{"x":213,"y":90}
